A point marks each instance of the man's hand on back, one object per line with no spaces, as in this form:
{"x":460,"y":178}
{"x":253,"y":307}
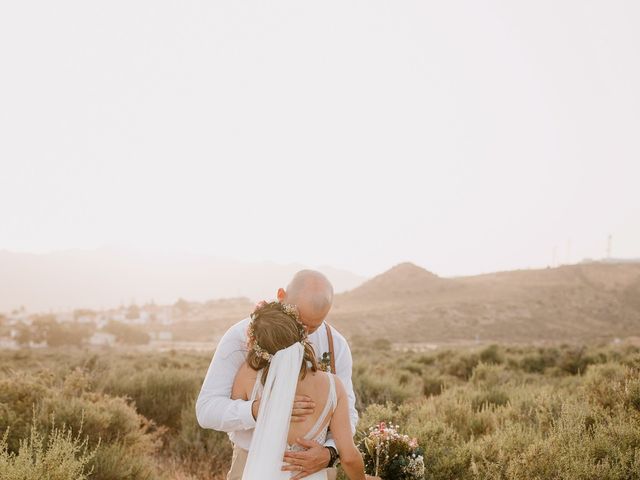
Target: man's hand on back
{"x":306,"y":463}
{"x":303,"y":406}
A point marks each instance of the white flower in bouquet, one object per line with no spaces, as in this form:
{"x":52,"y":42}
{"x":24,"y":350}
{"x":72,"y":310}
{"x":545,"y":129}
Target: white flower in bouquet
{"x":390,"y":455}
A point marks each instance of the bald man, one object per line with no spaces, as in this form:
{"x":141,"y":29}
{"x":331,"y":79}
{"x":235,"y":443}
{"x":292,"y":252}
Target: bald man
{"x":312,"y":293}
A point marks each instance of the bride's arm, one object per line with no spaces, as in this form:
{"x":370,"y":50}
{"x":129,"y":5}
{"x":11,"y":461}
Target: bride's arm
{"x":350,"y":457}
{"x":214,"y":407}
{"x":243,"y":383}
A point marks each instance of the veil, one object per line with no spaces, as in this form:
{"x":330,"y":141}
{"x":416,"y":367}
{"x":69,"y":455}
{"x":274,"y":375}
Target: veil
{"x":269,"y":441}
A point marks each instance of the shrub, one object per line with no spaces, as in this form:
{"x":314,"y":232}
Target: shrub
{"x":60,"y":457}
{"x":541,"y":360}
{"x":128,"y":441}
{"x":199,"y":450}
{"x":370,"y":389}
{"x":159,"y":394}
{"x":463,"y":366}
{"x":526,"y":418}
{"x":574,"y":361}
{"x":432,"y":386}
{"x":126,"y":333}
{"x":491,"y":354}
{"x":490,"y":398}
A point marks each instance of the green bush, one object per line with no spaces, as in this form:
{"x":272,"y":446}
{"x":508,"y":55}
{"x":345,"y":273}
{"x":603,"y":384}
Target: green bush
{"x":108,"y":421}
{"x":462,"y":367}
{"x":56,"y":456}
{"x":126,"y":333}
{"x":200,"y":450}
{"x":159,"y":393}
{"x":432,"y":386}
{"x":491,"y":354}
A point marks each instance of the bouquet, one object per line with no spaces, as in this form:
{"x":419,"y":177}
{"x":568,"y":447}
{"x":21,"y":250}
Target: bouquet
{"x":390,"y":455}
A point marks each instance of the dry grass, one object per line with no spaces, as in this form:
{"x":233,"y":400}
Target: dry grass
{"x":499,"y":412}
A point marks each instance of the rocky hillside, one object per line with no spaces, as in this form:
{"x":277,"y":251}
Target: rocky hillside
{"x":569,"y":303}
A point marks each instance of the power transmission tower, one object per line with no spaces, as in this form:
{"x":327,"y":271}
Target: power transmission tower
{"x":609,"y":246}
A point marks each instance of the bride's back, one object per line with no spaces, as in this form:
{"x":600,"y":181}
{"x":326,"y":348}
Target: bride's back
{"x":316,"y":385}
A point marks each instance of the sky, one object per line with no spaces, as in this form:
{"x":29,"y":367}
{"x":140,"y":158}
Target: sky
{"x":464,"y":136}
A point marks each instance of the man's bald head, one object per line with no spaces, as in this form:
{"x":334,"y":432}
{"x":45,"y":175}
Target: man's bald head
{"x":312,"y":293}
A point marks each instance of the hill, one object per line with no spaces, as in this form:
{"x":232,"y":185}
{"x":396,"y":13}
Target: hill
{"x":568,"y":303}
{"x":108,"y":277}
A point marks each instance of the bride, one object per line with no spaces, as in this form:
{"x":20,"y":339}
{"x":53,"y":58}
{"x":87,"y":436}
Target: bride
{"x":280,"y":364}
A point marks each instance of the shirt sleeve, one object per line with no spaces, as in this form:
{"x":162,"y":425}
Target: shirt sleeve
{"x":214,"y":407}
{"x":344,"y":368}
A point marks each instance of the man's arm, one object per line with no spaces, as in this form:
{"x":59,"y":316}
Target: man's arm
{"x":214,"y":407}
{"x":344,"y":370}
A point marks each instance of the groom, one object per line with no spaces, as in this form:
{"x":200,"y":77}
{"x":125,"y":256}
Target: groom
{"x":312,"y":293}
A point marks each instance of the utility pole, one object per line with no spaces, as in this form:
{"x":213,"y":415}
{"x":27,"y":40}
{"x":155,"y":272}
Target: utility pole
{"x":609,"y":246}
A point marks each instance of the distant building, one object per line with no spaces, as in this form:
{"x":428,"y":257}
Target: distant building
{"x":102,"y":339}
{"x":8,"y":343}
{"x":16,"y":317}
{"x":64,"y":317}
{"x":163,"y":317}
{"x":165,"y":335}
{"x":101,"y":321}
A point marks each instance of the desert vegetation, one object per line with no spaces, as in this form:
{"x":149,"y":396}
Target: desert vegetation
{"x":491,"y":412}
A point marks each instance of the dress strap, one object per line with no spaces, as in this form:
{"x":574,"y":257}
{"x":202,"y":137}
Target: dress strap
{"x":257,"y":386}
{"x":333,"y":396}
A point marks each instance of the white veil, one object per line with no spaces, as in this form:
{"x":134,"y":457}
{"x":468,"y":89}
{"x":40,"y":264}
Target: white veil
{"x":269,"y":440}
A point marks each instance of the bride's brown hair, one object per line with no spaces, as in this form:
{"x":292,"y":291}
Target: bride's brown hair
{"x":274,"y":330}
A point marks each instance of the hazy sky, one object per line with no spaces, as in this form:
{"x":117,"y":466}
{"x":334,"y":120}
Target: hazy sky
{"x":464,"y":136}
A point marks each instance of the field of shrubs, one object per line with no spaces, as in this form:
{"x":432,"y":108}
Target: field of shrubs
{"x":493,"y":412}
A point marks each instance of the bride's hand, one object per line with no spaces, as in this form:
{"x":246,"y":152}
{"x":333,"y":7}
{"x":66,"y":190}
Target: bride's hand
{"x":371,"y":477}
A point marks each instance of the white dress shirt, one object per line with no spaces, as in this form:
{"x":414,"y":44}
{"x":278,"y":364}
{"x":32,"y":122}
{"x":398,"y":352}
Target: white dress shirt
{"x":216,"y":410}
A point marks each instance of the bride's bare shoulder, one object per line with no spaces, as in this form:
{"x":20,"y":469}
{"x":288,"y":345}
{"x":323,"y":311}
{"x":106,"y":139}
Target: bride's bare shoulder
{"x":243,"y":383}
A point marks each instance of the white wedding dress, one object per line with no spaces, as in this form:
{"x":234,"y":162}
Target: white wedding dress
{"x":269,"y":441}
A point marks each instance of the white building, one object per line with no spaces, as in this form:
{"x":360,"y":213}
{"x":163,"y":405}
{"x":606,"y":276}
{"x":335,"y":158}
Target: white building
{"x":8,"y":343}
{"x":64,"y":317}
{"x":102,"y":339}
{"x":165,"y":335}
{"x":14,"y":318}
{"x":164,"y":317}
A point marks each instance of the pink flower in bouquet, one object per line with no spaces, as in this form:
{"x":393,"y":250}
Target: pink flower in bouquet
{"x":390,"y":455}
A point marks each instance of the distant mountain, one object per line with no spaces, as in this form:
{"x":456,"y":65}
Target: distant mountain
{"x":109,"y":277}
{"x":569,"y":303}
{"x":402,"y":280}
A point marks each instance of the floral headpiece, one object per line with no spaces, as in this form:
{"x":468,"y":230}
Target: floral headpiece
{"x":288,"y":309}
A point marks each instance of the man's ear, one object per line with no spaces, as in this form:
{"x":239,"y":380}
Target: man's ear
{"x":281,"y":295}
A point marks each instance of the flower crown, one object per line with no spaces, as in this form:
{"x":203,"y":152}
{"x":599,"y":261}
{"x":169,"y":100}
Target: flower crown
{"x":286,"y":308}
